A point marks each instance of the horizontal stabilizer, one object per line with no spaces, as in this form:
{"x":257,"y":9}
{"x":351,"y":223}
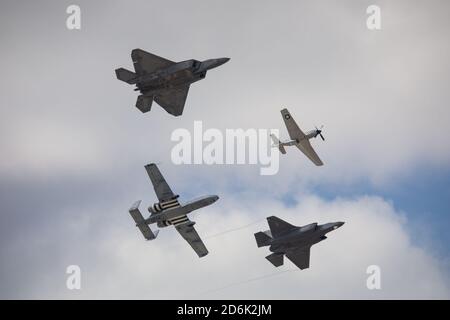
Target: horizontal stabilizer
{"x":140,"y":222}
{"x":126,"y":75}
{"x":277,"y":143}
{"x":144,"y":103}
{"x":276,"y":259}
{"x":262,"y":239}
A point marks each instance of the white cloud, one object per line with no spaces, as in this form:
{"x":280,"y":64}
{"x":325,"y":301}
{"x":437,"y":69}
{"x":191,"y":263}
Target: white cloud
{"x":118,"y":263}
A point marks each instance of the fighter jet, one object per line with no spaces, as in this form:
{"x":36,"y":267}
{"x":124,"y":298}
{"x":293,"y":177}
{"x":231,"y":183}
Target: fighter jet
{"x":293,"y":242}
{"x":168,"y":211}
{"x":164,"y":81}
{"x":298,"y":138}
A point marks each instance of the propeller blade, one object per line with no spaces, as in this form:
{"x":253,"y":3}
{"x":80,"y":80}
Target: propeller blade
{"x":322,"y":137}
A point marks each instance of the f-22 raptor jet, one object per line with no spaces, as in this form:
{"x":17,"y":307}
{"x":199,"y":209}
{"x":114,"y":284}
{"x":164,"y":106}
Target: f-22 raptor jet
{"x":164,"y":81}
{"x":168,"y":211}
{"x":298,"y":138}
{"x":293,"y":242}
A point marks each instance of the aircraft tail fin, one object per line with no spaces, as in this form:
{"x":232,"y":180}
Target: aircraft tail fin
{"x":140,"y":222}
{"x":144,"y":103}
{"x":262,"y":239}
{"x":126,"y":75}
{"x":277,"y":143}
{"x":276,"y":259}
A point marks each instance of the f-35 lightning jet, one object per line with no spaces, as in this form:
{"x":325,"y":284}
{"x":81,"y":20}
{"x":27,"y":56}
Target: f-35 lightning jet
{"x":164,"y":81}
{"x":168,"y":211}
{"x":293,"y":242}
{"x":298,"y":138}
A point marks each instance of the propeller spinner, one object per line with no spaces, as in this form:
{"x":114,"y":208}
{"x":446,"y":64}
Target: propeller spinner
{"x":319,"y":132}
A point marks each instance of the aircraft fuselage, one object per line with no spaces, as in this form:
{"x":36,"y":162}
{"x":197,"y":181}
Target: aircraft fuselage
{"x":302,"y":237}
{"x":175,"y":214}
{"x":177,"y":75}
{"x":309,"y":135}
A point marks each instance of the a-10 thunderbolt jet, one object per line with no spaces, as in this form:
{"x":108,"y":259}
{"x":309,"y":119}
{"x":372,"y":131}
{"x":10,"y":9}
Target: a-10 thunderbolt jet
{"x":291,"y":241}
{"x":164,"y":81}
{"x":168,"y":211}
{"x":298,"y":138}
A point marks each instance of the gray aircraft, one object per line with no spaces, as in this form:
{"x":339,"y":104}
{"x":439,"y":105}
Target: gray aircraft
{"x":168,"y":211}
{"x":298,"y":138}
{"x":164,"y":81}
{"x":291,"y":241}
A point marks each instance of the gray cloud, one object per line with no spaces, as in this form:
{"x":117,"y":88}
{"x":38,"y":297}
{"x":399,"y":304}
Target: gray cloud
{"x":376,"y":92}
{"x":117,"y":263}
{"x":74,"y":146}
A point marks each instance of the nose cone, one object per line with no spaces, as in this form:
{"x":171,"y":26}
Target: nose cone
{"x":221,"y":61}
{"x":214,"y":63}
{"x":338,"y":225}
{"x":215,"y":198}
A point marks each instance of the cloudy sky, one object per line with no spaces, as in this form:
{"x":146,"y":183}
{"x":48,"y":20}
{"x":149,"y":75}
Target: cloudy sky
{"x":74,"y":147}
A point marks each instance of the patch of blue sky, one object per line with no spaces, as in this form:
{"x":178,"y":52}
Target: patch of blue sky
{"x":424,"y":197}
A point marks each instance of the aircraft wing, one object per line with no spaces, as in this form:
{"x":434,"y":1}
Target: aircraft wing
{"x":278,"y":226}
{"x":189,"y":234}
{"x":162,"y":189}
{"x":300,"y":257}
{"x":294,"y":131}
{"x":306,"y":147}
{"x":173,"y":100}
{"x":146,"y":62}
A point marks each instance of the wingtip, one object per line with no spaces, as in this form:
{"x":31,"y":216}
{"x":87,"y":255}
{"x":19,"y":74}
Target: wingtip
{"x":135,"y":205}
{"x":135,"y":53}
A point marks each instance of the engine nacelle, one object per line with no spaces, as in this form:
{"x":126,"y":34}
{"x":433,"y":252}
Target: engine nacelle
{"x":155,"y":208}
{"x":164,"y":223}
{"x":161,"y":206}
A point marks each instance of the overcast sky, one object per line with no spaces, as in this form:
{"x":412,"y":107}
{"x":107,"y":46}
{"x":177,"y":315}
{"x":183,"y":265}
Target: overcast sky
{"x":74,"y":148}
